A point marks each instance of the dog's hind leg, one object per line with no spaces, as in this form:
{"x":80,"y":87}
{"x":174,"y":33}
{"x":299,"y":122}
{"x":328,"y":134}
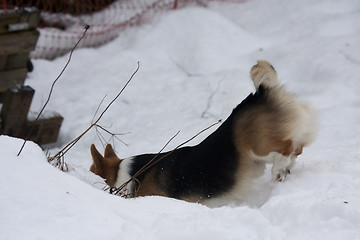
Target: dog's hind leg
{"x":297,"y":151}
{"x":280,"y":154}
{"x":280,"y":168}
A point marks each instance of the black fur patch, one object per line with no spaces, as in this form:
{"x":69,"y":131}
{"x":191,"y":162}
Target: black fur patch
{"x":205,"y":170}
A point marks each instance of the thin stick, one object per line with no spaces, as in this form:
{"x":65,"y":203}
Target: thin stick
{"x":153,"y":161}
{"x":182,"y":144}
{"x":52,"y":87}
{"x":97,"y":109}
{"x":113,"y":135}
{"x":183,"y":69}
{"x":72,"y":143}
{"x":117,"y":96}
{"x":144,"y":167}
{"x":205,"y":113}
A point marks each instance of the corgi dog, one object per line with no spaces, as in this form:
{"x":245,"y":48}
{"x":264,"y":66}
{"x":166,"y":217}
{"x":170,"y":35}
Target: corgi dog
{"x":269,"y":127}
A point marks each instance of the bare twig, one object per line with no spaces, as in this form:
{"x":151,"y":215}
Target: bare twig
{"x":72,"y":143}
{"x":61,"y":164}
{"x":113,"y":135}
{"x":183,"y":69}
{"x":205,"y":114}
{"x":98,"y":133}
{"x":155,"y":160}
{"x":102,"y":139}
{"x":97,"y":109}
{"x":350,"y":58}
{"x":52,"y":87}
{"x":121,"y":188}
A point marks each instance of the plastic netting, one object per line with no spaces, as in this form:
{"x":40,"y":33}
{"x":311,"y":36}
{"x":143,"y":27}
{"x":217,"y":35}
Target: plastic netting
{"x":63,"y":21}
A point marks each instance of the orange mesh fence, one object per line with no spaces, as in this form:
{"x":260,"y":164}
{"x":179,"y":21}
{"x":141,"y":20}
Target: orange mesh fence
{"x":62,"y":21}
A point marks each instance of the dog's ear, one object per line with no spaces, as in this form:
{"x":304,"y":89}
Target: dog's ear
{"x":109,"y":152}
{"x":98,"y":161}
{"x":106,"y":167}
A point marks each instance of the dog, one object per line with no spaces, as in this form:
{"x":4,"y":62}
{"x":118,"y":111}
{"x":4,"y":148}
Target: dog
{"x":269,"y":126}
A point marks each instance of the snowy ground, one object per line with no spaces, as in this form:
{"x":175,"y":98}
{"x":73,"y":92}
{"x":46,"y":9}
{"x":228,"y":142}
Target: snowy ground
{"x":194,"y":68}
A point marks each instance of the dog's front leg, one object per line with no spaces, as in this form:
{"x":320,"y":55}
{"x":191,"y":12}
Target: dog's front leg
{"x":281,"y":167}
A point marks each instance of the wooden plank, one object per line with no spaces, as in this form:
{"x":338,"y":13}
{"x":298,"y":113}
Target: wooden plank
{"x":15,"y":109}
{"x":19,"y":19}
{"x":3,"y":60}
{"x":32,"y":17}
{"x":12,"y":78}
{"x":16,"y":42}
{"x":16,"y":61}
{"x":6,"y":18}
{"x":44,"y":130}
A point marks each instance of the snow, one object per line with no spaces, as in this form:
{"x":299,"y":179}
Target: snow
{"x":194,"y":69}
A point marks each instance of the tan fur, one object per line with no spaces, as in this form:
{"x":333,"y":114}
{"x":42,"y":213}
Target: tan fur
{"x":283,"y":125}
{"x":264,"y":73}
{"x":277,"y":125}
{"x":149,"y":187}
{"x":107,"y":167}
{"x":264,"y":131}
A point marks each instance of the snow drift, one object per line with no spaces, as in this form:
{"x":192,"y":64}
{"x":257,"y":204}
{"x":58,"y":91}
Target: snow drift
{"x":194,"y":68}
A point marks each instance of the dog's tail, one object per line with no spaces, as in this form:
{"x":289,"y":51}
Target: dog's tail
{"x":263,"y":73}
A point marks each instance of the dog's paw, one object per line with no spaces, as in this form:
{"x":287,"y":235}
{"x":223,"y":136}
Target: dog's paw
{"x":281,"y":175}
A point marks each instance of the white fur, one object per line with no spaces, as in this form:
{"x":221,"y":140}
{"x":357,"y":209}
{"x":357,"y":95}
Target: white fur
{"x":280,"y":164}
{"x":239,"y":194}
{"x":123,"y":175}
{"x":243,"y":188}
{"x":306,"y":127}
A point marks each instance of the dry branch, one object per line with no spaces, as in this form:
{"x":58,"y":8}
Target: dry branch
{"x":63,"y":151}
{"x":184,"y":70}
{"x":52,"y":87}
{"x":100,"y":136}
{"x":350,"y":58}
{"x":113,"y":136}
{"x":206,"y":114}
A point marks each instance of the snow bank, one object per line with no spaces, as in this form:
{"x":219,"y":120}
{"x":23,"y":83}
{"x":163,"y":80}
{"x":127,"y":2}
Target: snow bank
{"x":194,"y":68}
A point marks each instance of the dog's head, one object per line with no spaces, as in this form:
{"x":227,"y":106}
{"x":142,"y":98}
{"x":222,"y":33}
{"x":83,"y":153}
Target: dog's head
{"x":106,"y":166}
